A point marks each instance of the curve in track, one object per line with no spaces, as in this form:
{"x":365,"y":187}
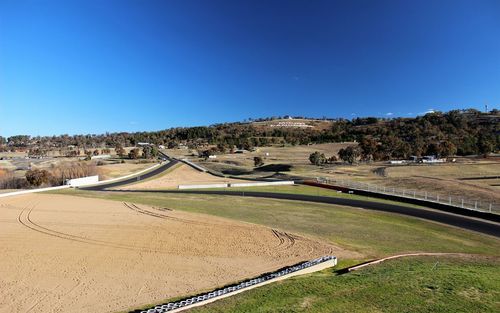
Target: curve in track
{"x":464,"y":222}
{"x":135,"y":179}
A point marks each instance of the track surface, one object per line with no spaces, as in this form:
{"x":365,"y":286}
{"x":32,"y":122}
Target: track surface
{"x":464,"y":222}
{"x":144,"y":176}
{"x":485,"y":227}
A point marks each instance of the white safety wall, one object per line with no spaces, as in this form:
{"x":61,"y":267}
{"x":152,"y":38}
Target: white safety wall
{"x":249,"y":184}
{"x":89,"y":180}
{"x":267,"y":183}
{"x":224,"y":185}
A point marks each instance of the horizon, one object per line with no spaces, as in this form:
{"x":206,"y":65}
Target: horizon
{"x":260,"y":119}
{"x":91,"y":67}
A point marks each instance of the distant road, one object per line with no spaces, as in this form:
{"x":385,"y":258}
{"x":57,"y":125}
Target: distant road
{"x":469,"y":223}
{"x":156,"y":171}
{"x":461,"y":221}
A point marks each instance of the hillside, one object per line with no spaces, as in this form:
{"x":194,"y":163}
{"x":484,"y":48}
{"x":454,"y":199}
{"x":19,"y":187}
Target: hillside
{"x":458,"y":132}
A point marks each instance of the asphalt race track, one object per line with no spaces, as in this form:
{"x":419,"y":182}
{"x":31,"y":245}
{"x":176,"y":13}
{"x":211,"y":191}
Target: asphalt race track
{"x":147,"y":175}
{"x":460,"y":221}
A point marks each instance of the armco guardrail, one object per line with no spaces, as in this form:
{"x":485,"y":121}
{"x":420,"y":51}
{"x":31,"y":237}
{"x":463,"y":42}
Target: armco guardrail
{"x":422,"y":196}
{"x":234,"y":289}
{"x":23,"y":192}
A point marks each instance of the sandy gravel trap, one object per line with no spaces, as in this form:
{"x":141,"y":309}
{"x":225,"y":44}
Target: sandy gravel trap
{"x":71,"y":254}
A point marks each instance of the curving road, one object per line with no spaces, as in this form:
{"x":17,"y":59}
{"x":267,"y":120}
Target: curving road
{"x":461,"y":221}
{"x":146,"y":175}
{"x":474,"y":224}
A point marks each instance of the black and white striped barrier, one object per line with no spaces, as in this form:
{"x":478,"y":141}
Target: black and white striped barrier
{"x":175,"y":306}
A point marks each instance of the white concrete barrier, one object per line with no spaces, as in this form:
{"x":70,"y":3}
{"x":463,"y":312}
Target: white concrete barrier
{"x":233,"y":185}
{"x":206,"y":298}
{"x":82,"y":181}
{"x":23,"y":192}
{"x":223,"y":185}
{"x":267,"y":183}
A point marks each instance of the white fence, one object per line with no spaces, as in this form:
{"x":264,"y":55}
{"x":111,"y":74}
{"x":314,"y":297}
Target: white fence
{"x":452,"y":200}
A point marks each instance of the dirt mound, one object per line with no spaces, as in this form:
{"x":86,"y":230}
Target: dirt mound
{"x":71,"y":254}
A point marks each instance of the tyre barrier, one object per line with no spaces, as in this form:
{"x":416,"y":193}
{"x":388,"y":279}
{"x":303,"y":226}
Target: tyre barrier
{"x":171,"y":306}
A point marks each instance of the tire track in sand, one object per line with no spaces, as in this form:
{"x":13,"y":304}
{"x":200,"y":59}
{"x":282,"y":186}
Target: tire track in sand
{"x":25,"y":219}
{"x":286,"y":241}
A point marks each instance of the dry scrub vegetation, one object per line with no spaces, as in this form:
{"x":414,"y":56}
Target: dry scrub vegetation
{"x":55,"y":175}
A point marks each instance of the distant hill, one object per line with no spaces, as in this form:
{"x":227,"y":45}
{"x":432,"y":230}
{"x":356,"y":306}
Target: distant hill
{"x":315,"y":124}
{"x":457,"y":132}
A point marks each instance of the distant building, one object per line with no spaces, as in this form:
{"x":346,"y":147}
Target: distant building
{"x":102,"y":156}
{"x":397,"y":161}
{"x":432,"y":159}
{"x":415,"y":159}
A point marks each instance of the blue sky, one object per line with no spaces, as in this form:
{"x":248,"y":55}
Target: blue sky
{"x":94,"y":66}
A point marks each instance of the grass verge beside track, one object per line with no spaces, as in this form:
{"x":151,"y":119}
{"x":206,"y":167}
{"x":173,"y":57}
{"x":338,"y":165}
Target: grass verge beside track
{"x":312,"y":191}
{"x":370,"y":233}
{"x":417,"y":284}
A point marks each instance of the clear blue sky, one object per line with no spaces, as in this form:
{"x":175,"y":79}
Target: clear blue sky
{"x":92,"y":66}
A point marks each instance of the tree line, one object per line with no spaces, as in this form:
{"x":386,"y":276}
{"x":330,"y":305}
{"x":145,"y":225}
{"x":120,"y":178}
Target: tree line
{"x":457,"y":132}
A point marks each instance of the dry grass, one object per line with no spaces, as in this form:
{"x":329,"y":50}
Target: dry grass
{"x":444,"y":179}
{"x":109,"y":171}
{"x":180,"y":175}
{"x":242,"y":163}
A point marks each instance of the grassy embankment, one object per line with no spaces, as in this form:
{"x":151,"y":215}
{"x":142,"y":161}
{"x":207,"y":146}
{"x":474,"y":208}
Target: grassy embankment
{"x":371,"y":233}
{"x":415,"y":284}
